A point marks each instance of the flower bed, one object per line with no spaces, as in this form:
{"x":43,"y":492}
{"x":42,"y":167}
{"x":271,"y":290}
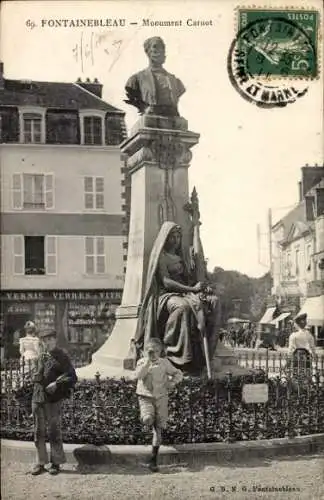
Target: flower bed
{"x":106,"y":412}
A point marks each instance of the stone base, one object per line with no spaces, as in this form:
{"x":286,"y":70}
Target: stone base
{"x":160,"y":122}
{"x":106,"y":371}
{"x":113,"y":358}
{"x":224,"y":356}
{"x":225,"y":361}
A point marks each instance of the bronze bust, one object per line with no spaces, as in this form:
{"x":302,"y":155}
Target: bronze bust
{"x":154,"y":90}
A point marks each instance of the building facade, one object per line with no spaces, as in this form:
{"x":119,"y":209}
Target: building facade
{"x":63,"y":221}
{"x":298,"y":254}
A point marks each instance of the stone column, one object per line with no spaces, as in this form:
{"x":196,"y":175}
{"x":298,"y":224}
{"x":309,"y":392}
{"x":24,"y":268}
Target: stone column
{"x":159,"y":155}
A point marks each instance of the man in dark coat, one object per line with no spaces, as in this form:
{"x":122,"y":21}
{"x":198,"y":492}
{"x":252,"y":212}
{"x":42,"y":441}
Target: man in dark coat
{"x":53,"y":381}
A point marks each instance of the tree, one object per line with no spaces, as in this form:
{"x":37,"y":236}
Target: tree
{"x":240,"y":295}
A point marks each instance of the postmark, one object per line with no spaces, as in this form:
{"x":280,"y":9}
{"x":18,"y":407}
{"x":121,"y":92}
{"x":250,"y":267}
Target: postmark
{"x":287,"y":45}
{"x":271,"y":60}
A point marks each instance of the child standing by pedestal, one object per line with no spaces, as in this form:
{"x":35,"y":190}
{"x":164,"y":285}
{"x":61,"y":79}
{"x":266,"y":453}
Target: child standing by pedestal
{"x":155,"y":377}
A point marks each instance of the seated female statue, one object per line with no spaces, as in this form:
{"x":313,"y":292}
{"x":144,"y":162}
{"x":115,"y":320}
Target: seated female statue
{"x":176,"y":309}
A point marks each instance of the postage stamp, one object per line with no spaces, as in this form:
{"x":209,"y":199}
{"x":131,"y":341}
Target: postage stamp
{"x":282,"y":43}
{"x":274,"y":55}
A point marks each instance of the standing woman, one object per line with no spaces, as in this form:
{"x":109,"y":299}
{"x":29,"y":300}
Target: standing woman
{"x":30,"y":347}
{"x":301,"y":349}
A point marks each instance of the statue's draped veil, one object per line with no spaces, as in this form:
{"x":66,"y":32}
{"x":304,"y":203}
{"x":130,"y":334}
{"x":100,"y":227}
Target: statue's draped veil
{"x":148,"y":313}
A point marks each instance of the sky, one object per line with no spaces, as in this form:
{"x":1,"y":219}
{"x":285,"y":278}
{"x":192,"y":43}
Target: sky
{"x":248,"y":159}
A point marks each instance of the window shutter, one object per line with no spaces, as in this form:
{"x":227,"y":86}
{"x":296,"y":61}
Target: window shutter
{"x":88,"y":192}
{"x":89,"y":255}
{"x":89,"y":245}
{"x":51,"y":255}
{"x":101,"y":260}
{"x":99,"y":192}
{"x":19,"y":254}
{"x":17,"y":191}
{"x":49,"y":190}
{"x":100,"y":246}
{"x":101,"y":264}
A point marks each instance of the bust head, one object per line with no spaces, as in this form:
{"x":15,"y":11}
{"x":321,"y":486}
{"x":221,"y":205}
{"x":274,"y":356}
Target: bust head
{"x":155,"y":49}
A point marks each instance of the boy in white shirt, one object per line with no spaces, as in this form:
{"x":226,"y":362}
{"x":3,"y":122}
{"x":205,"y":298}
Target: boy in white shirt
{"x":155,"y":377}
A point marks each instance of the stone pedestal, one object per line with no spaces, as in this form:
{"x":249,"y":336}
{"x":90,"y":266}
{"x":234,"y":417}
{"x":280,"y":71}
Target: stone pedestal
{"x":159,"y":155}
{"x":225,"y":361}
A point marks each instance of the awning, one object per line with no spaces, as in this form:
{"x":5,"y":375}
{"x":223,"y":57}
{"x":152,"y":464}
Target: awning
{"x":267,"y":317}
{"x":281,"y":317}
{"x":237,"y":320}
{"x":314,"y":308}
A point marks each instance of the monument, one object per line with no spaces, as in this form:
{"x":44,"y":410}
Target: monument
{"x":158,"y":153}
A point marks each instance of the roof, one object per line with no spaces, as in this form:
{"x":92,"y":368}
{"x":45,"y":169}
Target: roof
{"x":297,"y":214}
{"x":51,"y":95}
{"x":297,"y":217}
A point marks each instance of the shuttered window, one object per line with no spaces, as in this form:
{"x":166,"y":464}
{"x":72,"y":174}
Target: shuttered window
{"x":94,"y":193}
{"x":51,"y":255}
{"x":19,"y":254}
{"x":33,"y":191}
{"x":95,"y":259}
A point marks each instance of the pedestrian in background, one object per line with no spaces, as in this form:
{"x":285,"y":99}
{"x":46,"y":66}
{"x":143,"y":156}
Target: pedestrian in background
{"x":30,"y":347}
{"x":155,"y":376}
{"x":301,"y":348}
{"x":301,"y":338}
{"x":53,"y":381}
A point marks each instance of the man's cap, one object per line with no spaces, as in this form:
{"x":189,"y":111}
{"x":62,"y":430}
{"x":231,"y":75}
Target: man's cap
{"x":30,"y":325}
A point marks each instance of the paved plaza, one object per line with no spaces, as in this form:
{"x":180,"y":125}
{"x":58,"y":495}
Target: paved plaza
{"x":303,"y":476}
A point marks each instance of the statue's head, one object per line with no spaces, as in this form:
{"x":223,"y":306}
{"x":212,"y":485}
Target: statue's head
{"x":155,"y":49}
{"x":174,"y":239}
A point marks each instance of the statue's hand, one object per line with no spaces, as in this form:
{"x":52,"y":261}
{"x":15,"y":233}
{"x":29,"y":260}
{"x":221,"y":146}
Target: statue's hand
{"x":199,"y":287}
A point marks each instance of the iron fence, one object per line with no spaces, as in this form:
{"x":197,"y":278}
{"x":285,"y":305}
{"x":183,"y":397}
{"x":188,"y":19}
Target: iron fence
{"x":106,"y":411}
{"x":276,"y":363}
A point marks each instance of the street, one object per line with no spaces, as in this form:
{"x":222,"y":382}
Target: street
{"x":301,"y":478}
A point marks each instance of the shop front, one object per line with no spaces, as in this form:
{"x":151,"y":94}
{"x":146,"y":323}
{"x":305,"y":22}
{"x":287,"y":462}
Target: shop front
{"x":314,"y":308}
{"x":83,"y":319}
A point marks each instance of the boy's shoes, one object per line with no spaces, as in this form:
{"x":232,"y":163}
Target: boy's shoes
{"x":54,"y":469}
{"x":37,"y":470}
{"x":153,"y":465}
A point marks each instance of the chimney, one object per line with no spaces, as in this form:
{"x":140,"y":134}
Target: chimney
{"x":300,"y":190}
{"x":319,"y":202}
{"x":310,"y":207}
{"x":2,"y":80}
{"x":94,"y":87}
{"x":310,"y":177}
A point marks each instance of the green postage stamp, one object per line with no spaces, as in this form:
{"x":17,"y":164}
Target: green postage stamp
{"x":280,"y":43}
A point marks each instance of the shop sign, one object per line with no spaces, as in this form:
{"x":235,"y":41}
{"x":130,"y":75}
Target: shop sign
{"x":62,"y":295}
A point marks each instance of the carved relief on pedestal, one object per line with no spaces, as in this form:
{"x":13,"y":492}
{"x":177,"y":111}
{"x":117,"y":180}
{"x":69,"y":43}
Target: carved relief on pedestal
{"x":165,"y":150}
{"x":169,"y":151}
